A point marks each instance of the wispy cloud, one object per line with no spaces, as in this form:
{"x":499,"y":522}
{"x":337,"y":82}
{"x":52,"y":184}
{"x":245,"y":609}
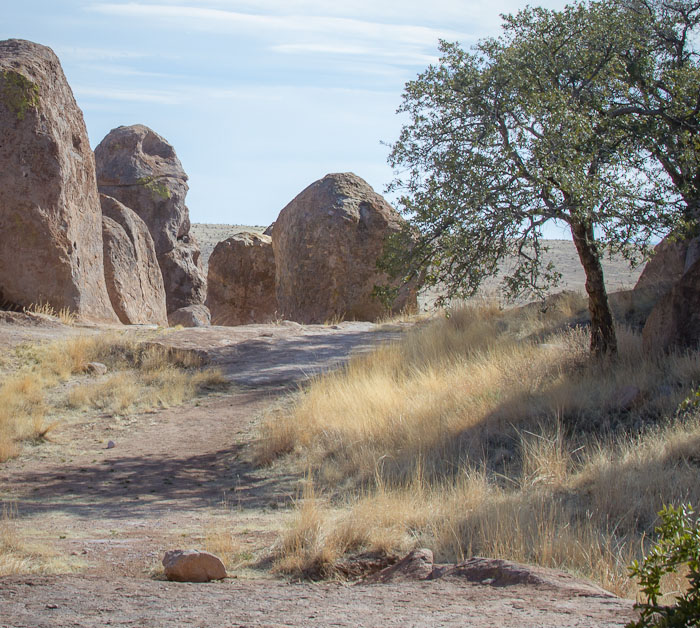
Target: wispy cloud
{"x":194,"y":94}
{"x":400,"y":57}
{"x":160,"y":97}
{"x":218,"y":20}
{"x":478,"y":15}
{"x":95,"y":54}
{"x":115,"y":69}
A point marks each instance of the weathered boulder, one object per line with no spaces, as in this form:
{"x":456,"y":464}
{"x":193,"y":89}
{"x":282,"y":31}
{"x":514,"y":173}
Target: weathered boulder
{"x":675,"y":319}
{"x":417,"y":565}
{"x":50,"y":217}
{"x":241,"y":280}
{"x":96,"y":368}
{"x":666,"y":267}
{"x":190,"y":316}
{"x":132,"y":273}
{"x":192,"y":566}
{"x":140,"y":169}
{"x":326,"y":244}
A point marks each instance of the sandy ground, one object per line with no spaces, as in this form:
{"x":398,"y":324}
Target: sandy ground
{"x":177,"y":474}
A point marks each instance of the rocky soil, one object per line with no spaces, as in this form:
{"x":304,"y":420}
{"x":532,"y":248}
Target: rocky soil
{"x":178,"y":476}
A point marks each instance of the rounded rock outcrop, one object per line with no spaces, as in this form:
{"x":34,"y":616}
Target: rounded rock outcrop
{"x":674,"y":323}
{"x":140,"y":169}
{"x":50,"y":216}
{"x":134,"y":280}
{"x":326,"y":243}
{"x":672,"y":257}
{"x":191,"y":316}
{"x":241,"y":280}
{"x":192,"y":566}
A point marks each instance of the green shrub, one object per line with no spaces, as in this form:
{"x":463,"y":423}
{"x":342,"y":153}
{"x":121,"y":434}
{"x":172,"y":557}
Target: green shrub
{"x":678,"y":546}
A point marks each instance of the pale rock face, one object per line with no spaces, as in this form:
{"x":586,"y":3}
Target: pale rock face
{"x":326,"y":244}
{"x":133,"y":276}
{"x":241,"y":280}
{"x":192,"y":566}
{"x":50,"y":216}
{"x":140,"y":169}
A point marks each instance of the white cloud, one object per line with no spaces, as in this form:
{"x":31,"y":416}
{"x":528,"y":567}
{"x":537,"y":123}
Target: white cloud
{"x":78,"y":52}
{"x":329,"y":27}
{"x":400,"y":57}
{"x":124,"y":70}
{"x":160,"y":97}
{"x":482,"y":17}
{"x":196,"y":94}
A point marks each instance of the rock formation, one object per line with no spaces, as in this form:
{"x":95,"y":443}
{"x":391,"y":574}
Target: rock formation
{"x":50,"y":216}
{"x":191,"y":316}
{"x":671,"y":259}
{"x":134,"y":280}
{"x":675,"y":320}
{"x":241,"y":280}
{"x":326,"y":243}
{"x":192,"y":566}
{"x":140,"y":169}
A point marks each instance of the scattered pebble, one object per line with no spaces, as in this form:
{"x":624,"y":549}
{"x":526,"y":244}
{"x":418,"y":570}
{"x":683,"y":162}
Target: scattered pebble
{"x":111,"y":444}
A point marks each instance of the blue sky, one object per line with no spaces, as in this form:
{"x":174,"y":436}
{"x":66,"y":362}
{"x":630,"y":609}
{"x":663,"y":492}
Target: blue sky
{"x":260,"y":99}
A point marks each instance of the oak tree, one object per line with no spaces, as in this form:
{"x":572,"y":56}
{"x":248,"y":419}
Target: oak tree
{"x":514,"y":133}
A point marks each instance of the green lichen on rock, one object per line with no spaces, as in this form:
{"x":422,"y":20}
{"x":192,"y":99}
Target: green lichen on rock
{"x":156,"y":187}
{"x":18,"y":93}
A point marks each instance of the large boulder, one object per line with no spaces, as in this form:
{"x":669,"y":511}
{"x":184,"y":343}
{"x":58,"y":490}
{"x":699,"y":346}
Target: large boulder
{"x":675,"y":320}
{"x":50,"y":217}
{"x":140,"y":169}
{"x":326,"y":243}
{"x":241,"y":280}
{"x":134,"y":280}
{"x":672,"y":257}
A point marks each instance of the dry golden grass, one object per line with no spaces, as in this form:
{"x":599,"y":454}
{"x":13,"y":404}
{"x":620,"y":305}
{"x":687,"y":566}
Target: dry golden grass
{"x":141,"y":376}
{"x":19,"y":556}
{"x":492,"y":432}
{"x":221,"y":541}
{"x":65,"y":315}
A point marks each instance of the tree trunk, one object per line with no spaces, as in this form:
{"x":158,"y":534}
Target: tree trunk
{"x":603,"y":339}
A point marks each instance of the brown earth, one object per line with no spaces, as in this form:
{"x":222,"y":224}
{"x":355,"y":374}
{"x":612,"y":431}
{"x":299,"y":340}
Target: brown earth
{"x":178,"y":475}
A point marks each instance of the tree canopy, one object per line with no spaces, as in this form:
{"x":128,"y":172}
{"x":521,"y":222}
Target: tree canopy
{"x":664,"y":94}
{"x":534,"y":126}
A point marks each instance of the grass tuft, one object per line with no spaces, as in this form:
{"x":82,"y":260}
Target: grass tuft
{"x":18,"y":556}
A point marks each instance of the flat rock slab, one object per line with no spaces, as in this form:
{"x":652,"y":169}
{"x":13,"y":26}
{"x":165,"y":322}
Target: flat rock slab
{"x":82,"y":602}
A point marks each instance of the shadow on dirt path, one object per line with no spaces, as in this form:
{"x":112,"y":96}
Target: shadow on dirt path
{"x":172,"y":472}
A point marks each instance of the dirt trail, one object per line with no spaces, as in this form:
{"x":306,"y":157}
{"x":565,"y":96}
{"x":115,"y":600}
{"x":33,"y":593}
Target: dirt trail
{"x":175,"y":474}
